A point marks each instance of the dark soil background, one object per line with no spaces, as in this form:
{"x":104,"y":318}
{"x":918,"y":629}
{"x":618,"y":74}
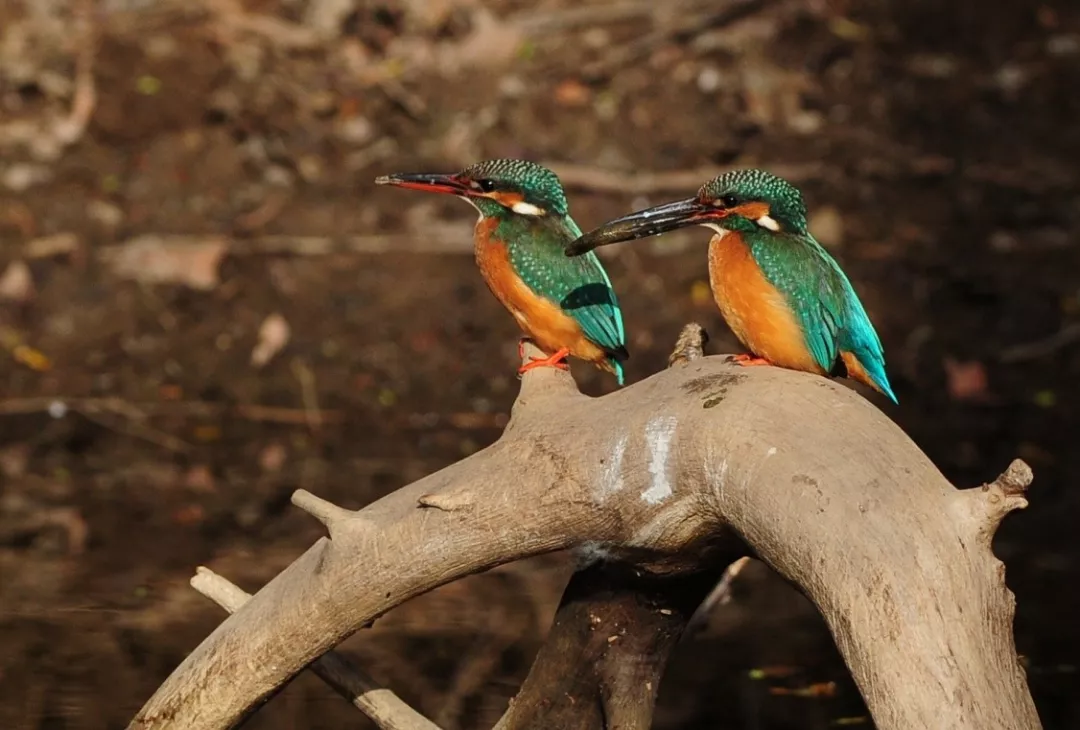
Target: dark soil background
{"x":205,"y":304}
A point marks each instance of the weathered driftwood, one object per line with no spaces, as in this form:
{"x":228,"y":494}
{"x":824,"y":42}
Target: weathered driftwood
{"x":668,"y":479}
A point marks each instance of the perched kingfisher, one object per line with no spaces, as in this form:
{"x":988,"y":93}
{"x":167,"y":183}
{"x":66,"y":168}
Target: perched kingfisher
{"x":778,"y":290}
{"x":565,"y":305}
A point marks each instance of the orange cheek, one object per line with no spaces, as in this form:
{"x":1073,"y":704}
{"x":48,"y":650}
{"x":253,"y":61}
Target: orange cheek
{"x":753,"y":211}
{"x":507,"y":199}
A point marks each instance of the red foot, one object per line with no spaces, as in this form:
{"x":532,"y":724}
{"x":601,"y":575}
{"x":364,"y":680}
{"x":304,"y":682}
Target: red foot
{"x":747,"y":360}
{"x":558,"y":360}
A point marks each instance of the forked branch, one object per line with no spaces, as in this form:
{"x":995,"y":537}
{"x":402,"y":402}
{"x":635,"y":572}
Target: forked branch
{"x":665,"y":477}
{"x":385,"y":708}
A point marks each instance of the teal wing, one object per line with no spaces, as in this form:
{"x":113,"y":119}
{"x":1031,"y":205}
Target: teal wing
{"x":579,"y":285}
{"x":799,"y":271}
{"x":828,"y":309}
{"x":861,"y":339}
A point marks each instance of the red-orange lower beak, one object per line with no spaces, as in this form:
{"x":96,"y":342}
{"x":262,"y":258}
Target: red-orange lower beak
{"x":427,"y":182}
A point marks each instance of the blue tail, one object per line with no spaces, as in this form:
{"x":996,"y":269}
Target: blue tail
{"x":618,"y":368}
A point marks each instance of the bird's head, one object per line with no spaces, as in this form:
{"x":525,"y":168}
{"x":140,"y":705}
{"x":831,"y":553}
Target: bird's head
{"x":495,"y":187}
{"x":743,"y":200}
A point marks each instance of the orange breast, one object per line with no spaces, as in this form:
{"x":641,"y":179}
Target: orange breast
{"x":541,"y":319}
{"x":753,"y":308}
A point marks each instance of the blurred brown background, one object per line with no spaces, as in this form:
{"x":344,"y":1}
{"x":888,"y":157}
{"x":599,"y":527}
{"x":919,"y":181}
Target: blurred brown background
{"x":205,"y":304}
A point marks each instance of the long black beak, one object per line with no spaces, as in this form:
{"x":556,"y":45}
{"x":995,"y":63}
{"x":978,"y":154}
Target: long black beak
{"x":424,"y":181}
{"x":644,"y":223}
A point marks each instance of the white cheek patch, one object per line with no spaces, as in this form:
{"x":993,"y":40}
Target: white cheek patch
{"x":768,"y":223}
{"x":523,"y":208}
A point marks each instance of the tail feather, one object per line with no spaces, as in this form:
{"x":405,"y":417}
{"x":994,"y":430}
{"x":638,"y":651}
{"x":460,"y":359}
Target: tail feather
{"x":613,"y":362}
{"x":615,"y":367}
{"x":869,"y":371}
{"x":612,"y":365}
{"x":620,"y":377}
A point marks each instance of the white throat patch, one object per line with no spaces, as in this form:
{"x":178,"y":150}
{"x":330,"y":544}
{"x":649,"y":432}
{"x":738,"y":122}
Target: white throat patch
{"x":720,"y":232}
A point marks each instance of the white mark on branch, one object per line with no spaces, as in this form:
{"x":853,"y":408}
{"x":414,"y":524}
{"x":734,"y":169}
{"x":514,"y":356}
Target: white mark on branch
{"x":770,"y":452}
{"x":591,"y":552}
{"x":658,"y":434}
{"x":611,"y":479}
{"x":720,"y":477}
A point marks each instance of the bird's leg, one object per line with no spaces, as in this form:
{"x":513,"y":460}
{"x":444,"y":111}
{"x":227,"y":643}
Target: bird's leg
{"x":747,"y":360}
{"x":521,"y":346}
{"x":558,"y":360}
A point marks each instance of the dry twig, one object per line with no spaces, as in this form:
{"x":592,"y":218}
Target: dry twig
{"x":719,"y":595}
{"x":1061,"y":339}
{"x":543,"y":22}
{"x":139,"y":411}
{"x":685,"y":25}
{"x":690,"y":346}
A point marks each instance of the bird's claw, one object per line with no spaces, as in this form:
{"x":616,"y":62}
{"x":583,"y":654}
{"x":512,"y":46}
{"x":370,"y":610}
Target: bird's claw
{"x":747,"y":360}
{"x":558,"y":360}
{"x":521,"y":347}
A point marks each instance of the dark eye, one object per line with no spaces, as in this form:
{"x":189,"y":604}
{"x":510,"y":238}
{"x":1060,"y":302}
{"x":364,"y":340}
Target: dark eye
{"x":486,"y":185}
{"x":730,"y":200}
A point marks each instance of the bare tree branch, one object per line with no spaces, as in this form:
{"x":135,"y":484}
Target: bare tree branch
{"x":690,"y":345}
{"x":818,"y":483}
{"x":385,"y":708}
{"x":719,"y":595}
{"x":601,"y":664}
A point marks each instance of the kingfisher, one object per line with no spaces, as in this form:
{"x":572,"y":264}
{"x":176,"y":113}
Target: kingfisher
{"x":778,"y":289}
{"x":566,"y":306}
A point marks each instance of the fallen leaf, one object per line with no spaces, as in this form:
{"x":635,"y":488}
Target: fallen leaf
{"x":773,"y":672}
{"x":31,"y":358}
{"x":170,"y":391}
{"x":17,"y":283}
{"x":572,"y":93}
{"x":849,"y":30}
{"x":273,"y":335}
{"x":57,"y":244}
{"x":207,"y":433}
{"x":189,"y":515}
{"x":272,"y":458}
{"x":192,"y":261}
{"x":14,"y":459}
{"x":819,"y":689}
{"x":965,"y":380}
{"x":199,"y":478}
